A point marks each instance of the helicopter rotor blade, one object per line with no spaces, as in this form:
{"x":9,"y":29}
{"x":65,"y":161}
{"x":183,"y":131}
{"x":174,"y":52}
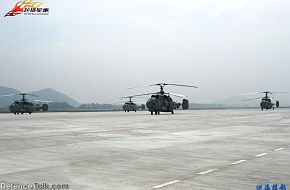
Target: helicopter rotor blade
{"x":145,"y":94}
{"x":137,"y":87}
{"x":46,"y":101}
{"x":266,"y":92}
{"x":177,"y":95}
{"x":158,"y":84}
{"x":32,"y":95}
{"x":251,"y":93}
{"x":135,"y":96}
{"x":273,"y":92}
{"x":183,"y":85}
{"x":7,"y":95}
{"x":252,"y":99}
{"x":132,"y":88}
{"x":25,"y":94}
{"x":166,"y":84}
{"x":125,"y":97}
{"x":279,"y":92}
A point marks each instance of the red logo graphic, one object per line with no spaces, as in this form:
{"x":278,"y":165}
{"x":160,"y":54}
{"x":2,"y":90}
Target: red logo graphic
{"x":22,"y":6}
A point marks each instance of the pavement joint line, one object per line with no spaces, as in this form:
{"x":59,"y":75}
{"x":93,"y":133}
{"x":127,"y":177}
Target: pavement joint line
{"x":263,"y":154}
{"x":207,"y":171}
{"x":238,"y":162}
{"x":278,"y":149}
{"x":165,"y":184}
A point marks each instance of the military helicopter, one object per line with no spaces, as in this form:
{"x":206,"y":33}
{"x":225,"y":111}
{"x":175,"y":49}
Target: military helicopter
{"x":24,"y":106}
{"x":266,"y":102}
{"x":162,"y":102}
{"x":131,"y":106}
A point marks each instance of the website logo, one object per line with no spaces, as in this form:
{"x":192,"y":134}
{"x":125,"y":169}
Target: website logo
{"x":28,"y":7}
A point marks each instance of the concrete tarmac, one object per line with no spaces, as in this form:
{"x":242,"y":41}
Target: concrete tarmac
{"x":195,"y":149}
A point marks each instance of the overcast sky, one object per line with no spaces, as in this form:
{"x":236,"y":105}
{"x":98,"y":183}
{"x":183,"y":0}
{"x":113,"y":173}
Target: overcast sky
{"x":93,"y":50}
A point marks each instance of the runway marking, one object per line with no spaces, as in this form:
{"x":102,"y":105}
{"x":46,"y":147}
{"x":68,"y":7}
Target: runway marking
{"x":207,"y":171}
{"x":278,"y":149}
{"x":165,"y":184}
{"x":238,"y":162}
{"x":263,"y":154}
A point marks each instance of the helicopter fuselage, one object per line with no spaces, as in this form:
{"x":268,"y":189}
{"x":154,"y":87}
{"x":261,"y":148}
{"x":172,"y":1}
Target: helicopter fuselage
{"x":266,"y":104}
{"x":161,"y":103}
{"x":26,"y":107}
{"x":130,"y":106}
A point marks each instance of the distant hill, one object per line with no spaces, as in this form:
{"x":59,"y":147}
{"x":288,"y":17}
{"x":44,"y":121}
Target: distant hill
{"x":59,"y":106}
{"x":237,"y":101}
{"x":6,"y":101}
{"x":58,"y":98}
{"x":53,"y":95}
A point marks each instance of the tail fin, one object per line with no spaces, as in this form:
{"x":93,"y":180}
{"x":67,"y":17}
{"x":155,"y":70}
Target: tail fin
{"x":185,"y":104}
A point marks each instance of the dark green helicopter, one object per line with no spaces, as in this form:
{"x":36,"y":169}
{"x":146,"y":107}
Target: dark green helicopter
{"x":266,"y":102}
{"x":25,"y":106}
{"x":162,"y":102}
{"x":131,"y":106}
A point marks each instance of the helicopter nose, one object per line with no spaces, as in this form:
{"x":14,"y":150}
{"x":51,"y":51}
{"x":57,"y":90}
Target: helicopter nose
{"x":151,"y":103}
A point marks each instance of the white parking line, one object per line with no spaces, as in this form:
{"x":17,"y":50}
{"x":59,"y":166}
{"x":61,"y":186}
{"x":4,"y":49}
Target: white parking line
{"x":165,"y":184}
{"x":278,"y":149}
{"x":238,"y":162}
{"x":207,"y":171}
{"x":263,"y":154}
